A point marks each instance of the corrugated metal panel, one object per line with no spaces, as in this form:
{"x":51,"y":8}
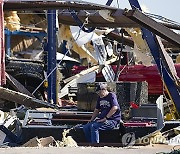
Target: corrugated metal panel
{"x":2,"y":52}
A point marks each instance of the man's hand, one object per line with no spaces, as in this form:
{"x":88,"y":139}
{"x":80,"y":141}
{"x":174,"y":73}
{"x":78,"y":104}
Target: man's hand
{"x":102,"y":120}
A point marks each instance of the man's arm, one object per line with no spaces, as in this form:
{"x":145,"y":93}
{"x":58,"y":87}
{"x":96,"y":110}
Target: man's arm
{"x":94,"y":115}
{"x":111,"y":112}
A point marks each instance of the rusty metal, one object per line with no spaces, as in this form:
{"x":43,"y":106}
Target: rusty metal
{"x":94,"y":19}
{"x":53,"y":5}
{"x":117,"y":37}
{"x":70,"y":118}
{"x":153,"y":26}
{"x":129,"y":41}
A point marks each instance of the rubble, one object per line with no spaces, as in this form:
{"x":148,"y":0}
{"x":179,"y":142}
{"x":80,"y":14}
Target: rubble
{"x":99,"y":54}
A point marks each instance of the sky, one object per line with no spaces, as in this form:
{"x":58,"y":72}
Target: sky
{"x":166,"y":8}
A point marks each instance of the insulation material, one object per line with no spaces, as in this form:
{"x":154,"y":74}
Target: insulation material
{"x":65,"y":34}
{"x":178,"y":59}
{"x":33,"y":20}
{"x":26,"y":19}
{"x":136,"y":35}
{"x":141,"y":49}
{"x":12,"y":20}
{"x":68,"y":141}
{"x":142,"y":57}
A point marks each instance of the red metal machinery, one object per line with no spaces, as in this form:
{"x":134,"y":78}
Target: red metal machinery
{"x":135,"y":73}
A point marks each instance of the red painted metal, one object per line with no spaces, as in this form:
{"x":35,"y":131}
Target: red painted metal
{"x":2,"y":48}
{"x":138,"y":73}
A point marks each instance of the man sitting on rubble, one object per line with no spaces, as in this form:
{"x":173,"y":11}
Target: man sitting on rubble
{"x":106,"y":115}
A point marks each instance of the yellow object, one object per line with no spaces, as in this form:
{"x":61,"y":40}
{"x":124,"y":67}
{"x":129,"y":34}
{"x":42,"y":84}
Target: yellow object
{"x":170,"y":116}
{"x":67,"y":141}
{"x":178,"y":59}
{"x":12,"y":21}
{"x":136,"y":34}
{"x":158,"y":139}
{"x":45,"y":84}
{"x":26,"y":19}
{"x":141,"y":49}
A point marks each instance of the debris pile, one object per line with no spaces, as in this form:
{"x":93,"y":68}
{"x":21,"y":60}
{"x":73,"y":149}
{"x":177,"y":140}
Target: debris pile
{"x":94,"y":43}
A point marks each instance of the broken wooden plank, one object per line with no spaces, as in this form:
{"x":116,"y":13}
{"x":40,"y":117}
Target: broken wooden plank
{"x":94,"y":68}
{"x":17,"y":97}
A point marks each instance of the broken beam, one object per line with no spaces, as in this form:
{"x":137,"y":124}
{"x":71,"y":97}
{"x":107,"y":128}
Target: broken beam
{"x":16,"y":97}
{"x":53,"y":5}
{"x":153,"y":26}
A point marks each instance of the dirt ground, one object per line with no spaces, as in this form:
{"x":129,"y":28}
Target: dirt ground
{"x":150,"y":149}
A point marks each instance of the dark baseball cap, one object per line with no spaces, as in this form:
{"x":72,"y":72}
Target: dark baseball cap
{"x":101,"y":86}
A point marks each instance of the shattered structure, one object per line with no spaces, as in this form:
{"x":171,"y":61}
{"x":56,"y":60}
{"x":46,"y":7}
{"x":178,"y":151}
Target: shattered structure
{"x":55,"y":59}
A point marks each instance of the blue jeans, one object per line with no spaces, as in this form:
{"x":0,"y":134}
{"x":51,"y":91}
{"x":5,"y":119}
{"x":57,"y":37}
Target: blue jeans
{"x":91,"y":129}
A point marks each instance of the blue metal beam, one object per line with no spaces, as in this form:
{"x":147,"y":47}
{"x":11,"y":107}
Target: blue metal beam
{"x":18,"y":32}
{"x":8,"y":42}
{"x":39,"y":35}
{"x":8,"y":33}
{"x":52,"y":55}
{"x":156,"y":52}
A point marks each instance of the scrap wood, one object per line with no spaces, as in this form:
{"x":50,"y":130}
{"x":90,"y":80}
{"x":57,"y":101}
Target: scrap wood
{"x":32,"y":29}
{"x":50,"y":141}
{"x":17,"y":97}
{"x":94,"y":68}
{"x":42,"y":142}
